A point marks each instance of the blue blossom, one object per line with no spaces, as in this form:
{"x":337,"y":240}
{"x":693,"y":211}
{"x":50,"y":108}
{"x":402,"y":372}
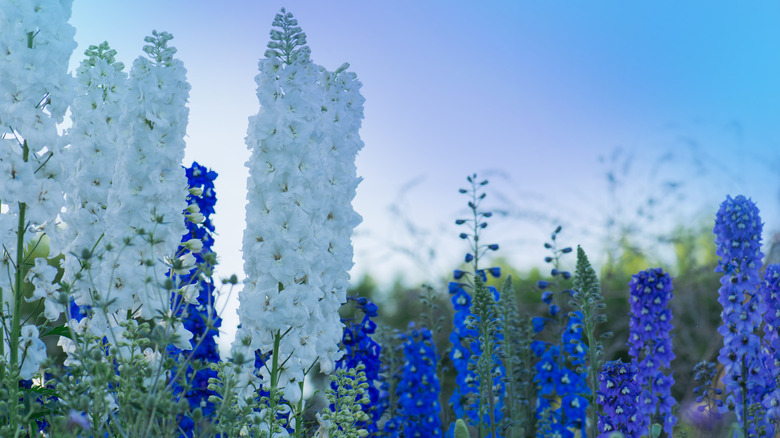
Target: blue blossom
{"x":195,"y":316}
{"x":618,"y":392}
{"x":557,"y":377}
{"x":769,"y":290}
{"x":650,"y":345}
{"x":418,"y":391}
{"x":467,"y":349}
{"x":738,"y":230}
{"x":360,"y":348}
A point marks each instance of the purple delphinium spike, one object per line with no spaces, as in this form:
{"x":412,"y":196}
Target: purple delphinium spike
{"x":650,"y":345}
{"x":617,"y":394}
{"x":738,"y":237}
{"x":770,"y":289}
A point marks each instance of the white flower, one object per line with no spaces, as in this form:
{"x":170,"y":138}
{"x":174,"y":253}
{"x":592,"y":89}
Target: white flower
{"x":149,"y":189}
{"x":296,"y":246}
{"x":42,"y":277}
{"x":32,"y":351}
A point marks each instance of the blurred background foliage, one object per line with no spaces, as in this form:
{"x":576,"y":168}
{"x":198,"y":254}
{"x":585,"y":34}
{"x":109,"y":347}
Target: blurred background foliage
{"x":685,"y":248}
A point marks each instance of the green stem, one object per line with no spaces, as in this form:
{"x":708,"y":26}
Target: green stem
{"x":16,"y":329}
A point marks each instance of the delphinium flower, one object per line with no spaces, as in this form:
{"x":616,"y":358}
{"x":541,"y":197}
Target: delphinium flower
{"x":35,"y":91}
{"x":738,"y":237}
{"x":617,"y":394}
{"x":360,"y":348}
{"x":559,"y":374}
{"x":297,"y":249}
{"x":770,"y":289}
{"x":650,"y":346}
{"x":194,"y":302}
{"x":95,"y":138}
{"x":588,"y":301}
{"x":466,"y":397}
{"x":418,"y":390}
{"x":148,"y":194}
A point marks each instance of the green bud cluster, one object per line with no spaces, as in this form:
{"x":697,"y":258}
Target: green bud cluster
{"x":346,"y":400}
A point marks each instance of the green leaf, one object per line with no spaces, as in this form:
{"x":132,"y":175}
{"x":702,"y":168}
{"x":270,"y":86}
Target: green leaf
{"x":62,"y":330}
{"x":655,"y":430}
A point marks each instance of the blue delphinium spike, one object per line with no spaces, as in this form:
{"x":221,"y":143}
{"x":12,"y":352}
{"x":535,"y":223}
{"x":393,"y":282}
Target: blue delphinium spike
{"x":200,"y":319}
{"x":617,"y":394}
{"x":418,"y":391}
{"x":738,"y":230}
{"x":361,"y":348}
{"x":465,"y":339}
{"x":556,"y":377}
{"x":770,"y":293}
{"x":650,"y":345}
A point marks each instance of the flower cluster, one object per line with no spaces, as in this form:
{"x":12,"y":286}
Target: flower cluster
{"x":418,"y":390}
{"x":35,"y":91}
{"x":361,"y":349}
{"x":297,"y":249}
{"x":194,"y":302}
{"x":650,"y":344}
{"x":738,"y":237}
{"x":769,"y":290}
{"x":618,"y":393}
{"x":557,"y":374}
{"x":92,"y":156}
{"x":466,"y":339}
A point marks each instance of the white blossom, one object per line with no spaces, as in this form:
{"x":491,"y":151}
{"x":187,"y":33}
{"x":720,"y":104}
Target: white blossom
{"x":42,"y":277}
{"x":32,"y":351}
{"x":36,"y":42}
{"x":149,"y":190}
{"x":95,"y":138}
{"x":297,"y":248}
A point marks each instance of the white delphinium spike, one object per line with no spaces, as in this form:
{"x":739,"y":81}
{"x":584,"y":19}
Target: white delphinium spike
{"x":297,"y":248}
{"x":149,"y":190}
{"x":95,"y":137}
{"x":36,"y":42}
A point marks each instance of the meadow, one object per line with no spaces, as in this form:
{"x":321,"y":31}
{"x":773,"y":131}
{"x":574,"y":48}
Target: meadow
{"x":108,"y":290}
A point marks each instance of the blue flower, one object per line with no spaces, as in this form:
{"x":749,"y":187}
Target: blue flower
{"x":618,"y":392}
{"x":195,"y":316}
{"x":650,"y":343}
{"x":418,"y":390}
{"x":360,"y":348}
{"x":738,"y":231}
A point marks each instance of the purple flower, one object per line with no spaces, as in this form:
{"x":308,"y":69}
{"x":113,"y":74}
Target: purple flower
{"x":650,"y":344}
{"x":618,"y":392}
{"x":738,"y":230}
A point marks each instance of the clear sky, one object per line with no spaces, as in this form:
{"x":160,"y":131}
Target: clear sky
{"x":542,"y":97}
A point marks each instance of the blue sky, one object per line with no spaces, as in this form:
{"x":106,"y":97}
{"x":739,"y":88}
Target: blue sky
{"x":528,"y":93}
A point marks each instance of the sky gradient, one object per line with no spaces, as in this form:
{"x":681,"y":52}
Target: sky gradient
{"x":543,"y":98}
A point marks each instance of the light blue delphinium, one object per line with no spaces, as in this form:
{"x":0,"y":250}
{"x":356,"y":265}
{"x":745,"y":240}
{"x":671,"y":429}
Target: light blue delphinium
{"x":650,"y":346}
{"x":738,"y":230}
